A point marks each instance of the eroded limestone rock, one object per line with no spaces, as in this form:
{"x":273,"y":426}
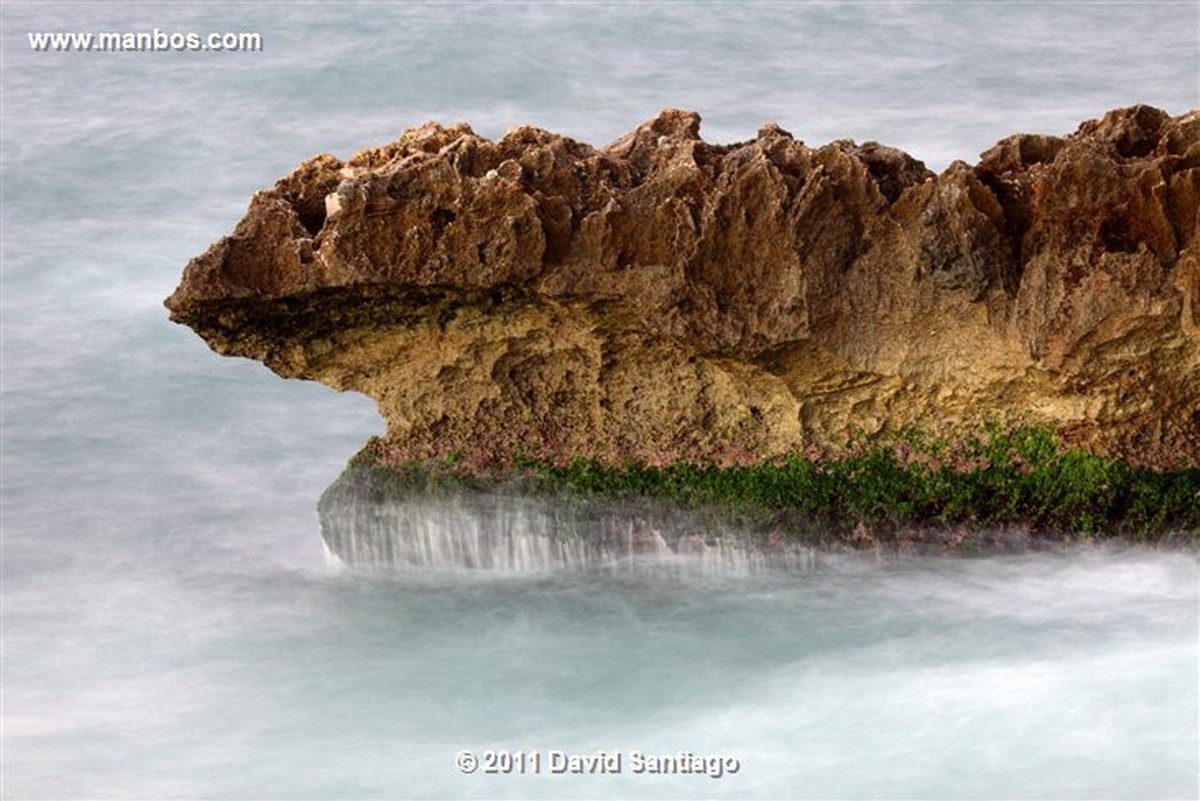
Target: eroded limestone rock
{"x":663,"y":298}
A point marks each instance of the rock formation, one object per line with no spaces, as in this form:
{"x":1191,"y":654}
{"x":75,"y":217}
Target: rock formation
{"x":664,"y":299}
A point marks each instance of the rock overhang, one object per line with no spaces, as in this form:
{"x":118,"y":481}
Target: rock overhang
{"x":663,"y":299}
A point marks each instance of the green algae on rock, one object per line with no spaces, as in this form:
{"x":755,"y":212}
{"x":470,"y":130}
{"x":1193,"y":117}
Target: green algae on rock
{"x":1009,"y":491}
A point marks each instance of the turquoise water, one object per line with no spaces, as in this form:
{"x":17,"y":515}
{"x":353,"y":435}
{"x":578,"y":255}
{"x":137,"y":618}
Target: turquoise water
{"x":172,"y":624}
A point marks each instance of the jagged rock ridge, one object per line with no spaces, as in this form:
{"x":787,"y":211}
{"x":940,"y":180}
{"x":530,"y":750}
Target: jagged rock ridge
{"x":665,"y":299}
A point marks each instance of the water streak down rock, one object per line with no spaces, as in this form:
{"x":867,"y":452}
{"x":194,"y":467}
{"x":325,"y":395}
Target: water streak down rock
{"x":664,"y":299}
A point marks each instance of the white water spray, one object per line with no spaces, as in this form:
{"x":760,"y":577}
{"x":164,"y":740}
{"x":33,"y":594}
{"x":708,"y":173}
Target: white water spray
{"x":523,"y":535}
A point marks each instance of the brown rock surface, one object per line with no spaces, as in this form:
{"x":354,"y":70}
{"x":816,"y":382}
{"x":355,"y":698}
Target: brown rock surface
{"x":664,"y":299}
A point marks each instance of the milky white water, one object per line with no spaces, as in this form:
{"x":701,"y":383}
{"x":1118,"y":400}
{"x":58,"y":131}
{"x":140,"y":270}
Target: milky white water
{"x":172,"y":624}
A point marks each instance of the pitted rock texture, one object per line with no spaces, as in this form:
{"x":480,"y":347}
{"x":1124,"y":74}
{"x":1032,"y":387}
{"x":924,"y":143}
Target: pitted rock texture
{"x":664,"y":299}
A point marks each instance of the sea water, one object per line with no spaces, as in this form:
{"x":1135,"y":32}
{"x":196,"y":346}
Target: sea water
{"x":172,"y":623}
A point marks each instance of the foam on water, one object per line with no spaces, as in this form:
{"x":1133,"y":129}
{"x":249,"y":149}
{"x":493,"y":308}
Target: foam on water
{"x":1000,"y":678}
